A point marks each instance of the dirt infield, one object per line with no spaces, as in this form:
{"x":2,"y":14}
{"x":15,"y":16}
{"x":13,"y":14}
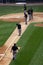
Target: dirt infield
{"x":19,"y":17}
{"x":38,"y":17}
{"x":2,"y":49}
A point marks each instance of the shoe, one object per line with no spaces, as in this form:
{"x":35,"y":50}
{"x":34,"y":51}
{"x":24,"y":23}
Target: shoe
{"x":19,"y":35}
{"x":13,"y":58}
{"x":26,"y":23}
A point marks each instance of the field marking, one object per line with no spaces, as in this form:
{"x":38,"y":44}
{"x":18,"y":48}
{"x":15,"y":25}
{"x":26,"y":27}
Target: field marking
{"x":2,"y":54}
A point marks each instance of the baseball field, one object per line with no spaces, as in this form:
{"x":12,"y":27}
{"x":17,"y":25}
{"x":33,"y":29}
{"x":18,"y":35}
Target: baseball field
{"x":30,"y":42}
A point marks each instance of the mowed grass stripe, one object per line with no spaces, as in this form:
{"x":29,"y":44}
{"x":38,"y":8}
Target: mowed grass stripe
{"x":10,"y":9}
{"x":29,"y":45}
{"x":38,"y":57}
{"x":6,"y":28}
{"x":17,"y":9}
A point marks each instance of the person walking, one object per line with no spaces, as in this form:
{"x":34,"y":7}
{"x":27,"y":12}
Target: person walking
{"x":14,"y":49}
{"x":25,"y":15}
{"x":25,"y":9}
{"x":19,"y":28}
{"x":31,"y":13}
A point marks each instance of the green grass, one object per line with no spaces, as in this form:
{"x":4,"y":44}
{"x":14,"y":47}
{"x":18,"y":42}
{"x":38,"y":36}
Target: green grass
{"x":36,"y":8}
{"x":31,"y":43}
{"x":6,"y":28}
{"x":17,"y":9}
{"x":38,"y":57}
{"x":10,"y":9}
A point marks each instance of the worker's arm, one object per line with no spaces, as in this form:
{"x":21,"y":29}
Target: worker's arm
{"x":18,"y":49}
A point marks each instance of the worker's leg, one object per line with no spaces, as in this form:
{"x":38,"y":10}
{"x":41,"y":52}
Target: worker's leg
{"x":14,"y":55}
{"x":25,"y":20}
{"x":19,"y":32}
{"x":28,"y":18}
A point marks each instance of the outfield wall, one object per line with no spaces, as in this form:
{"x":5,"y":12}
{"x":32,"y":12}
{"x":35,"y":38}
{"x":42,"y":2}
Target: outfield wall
{"x":13,"y":1}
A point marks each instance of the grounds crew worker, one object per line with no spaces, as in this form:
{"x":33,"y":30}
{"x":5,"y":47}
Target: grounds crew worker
{"x":19,"y":28}
{"x":25,"y":15}
{"x":25,"y":9}
{"x":31,"y":13}
{"x":14,"y":49}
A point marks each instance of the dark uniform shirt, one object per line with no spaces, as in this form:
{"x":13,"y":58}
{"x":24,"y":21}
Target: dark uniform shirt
{"x":19,"y":26}
{"x":14,"y":48}
{"x":29,"y":11}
